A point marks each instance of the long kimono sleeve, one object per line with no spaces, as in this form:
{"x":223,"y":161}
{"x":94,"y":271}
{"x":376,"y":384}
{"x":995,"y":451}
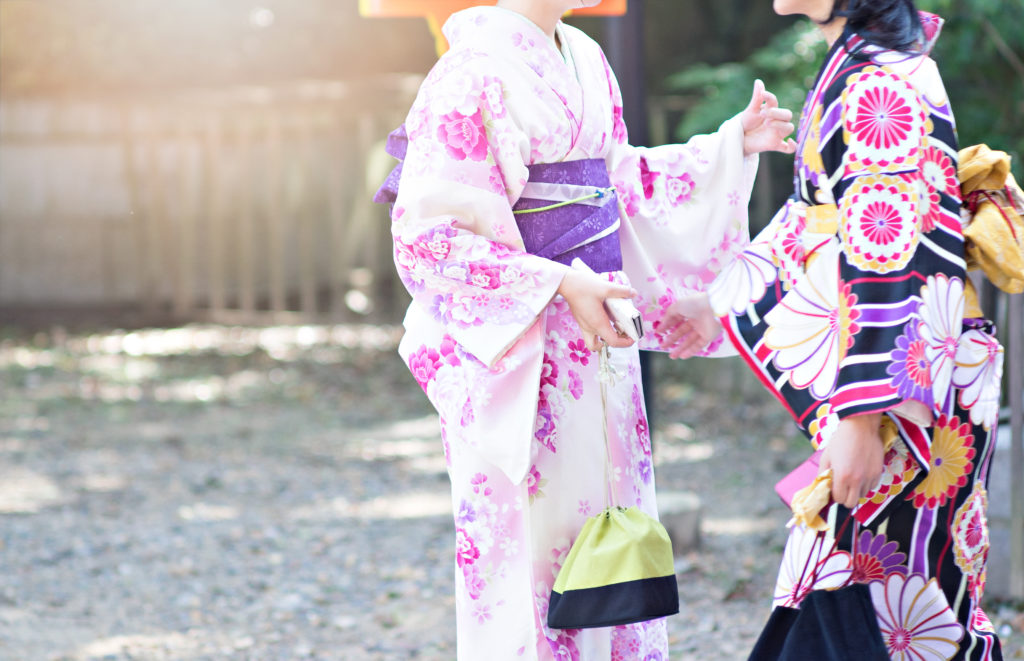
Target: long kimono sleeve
{"x":900,"y":266}
{"x":684,"y":211}
{"x":456,"y":246}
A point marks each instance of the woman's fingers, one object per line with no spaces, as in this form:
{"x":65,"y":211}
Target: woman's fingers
{"x":620,"y":291}
{"x":757,"y":97}
{"x":776,"y":114}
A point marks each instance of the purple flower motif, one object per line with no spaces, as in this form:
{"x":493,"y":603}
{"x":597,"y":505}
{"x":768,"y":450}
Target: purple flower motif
{"x":544,"y":430}
{"x":466,"y":512}
{"x":475,"y":584}
{"x":910,"y":367}
{"x":644,"y":469}
{"x":875,"y":557}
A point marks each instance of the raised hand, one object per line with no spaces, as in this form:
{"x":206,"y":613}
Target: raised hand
{"x":765,"y":124}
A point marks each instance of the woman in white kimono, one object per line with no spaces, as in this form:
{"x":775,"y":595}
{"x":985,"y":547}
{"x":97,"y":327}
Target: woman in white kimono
{"x":523,"y":112}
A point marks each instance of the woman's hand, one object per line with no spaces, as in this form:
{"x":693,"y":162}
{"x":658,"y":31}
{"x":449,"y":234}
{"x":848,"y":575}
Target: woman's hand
{"x":856,"y":455}
{"x":765,"y":124}
{"x":688,"y":326}
{"x":585,"y":293}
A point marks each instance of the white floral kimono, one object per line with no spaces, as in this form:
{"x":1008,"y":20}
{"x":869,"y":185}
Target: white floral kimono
{"x":495,"y":349}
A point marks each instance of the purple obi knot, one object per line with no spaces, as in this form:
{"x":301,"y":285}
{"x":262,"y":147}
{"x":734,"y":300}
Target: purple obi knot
{"x":396,"y":146}
{"x":570,"y":210}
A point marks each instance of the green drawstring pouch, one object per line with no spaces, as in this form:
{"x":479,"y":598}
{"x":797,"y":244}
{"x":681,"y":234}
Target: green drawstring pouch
{"x":619,"y":570}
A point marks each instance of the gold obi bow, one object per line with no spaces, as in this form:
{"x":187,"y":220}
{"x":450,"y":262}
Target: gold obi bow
{"x":993,"y":223}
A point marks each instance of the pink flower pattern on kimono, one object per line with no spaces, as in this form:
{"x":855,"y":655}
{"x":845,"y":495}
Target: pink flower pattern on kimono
{"x":643,"y":433}
{"x":680,"y":189}
{"x":575,"y":385}
{"x":463,"y":136}
{"x":563,"y":645}
{"x":466,"y":552}
{"x":534,"y":483}
{"x":647,"y":178}
{"x":630,"y":201}
{"x":618,"y":125}
{"x":578,"y":352}
{"x":475,"y":583}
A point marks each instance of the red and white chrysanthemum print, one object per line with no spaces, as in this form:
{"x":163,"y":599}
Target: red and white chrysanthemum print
{"x":970,"y":533}
{"x":879,"y":223}
{"x":929,"y":202}
{"x":884,"y":122}
{"x":937,"y":169}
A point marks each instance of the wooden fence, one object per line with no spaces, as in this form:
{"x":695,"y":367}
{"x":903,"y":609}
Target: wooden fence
{"x":246,"y":206}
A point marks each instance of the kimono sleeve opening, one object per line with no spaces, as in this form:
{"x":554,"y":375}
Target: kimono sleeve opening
{"x":684,"y":211}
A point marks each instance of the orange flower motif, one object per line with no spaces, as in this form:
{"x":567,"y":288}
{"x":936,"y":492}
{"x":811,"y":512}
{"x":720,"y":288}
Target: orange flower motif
{"x":952,"y":459}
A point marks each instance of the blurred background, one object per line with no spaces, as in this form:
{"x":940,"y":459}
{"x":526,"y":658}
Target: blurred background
{"x":199,"y":311}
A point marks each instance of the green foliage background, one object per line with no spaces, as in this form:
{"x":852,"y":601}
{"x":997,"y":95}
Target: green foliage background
{"x":980,"y":55}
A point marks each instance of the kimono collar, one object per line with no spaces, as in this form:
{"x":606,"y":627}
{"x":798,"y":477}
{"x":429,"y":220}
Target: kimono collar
{"x":488,"y":27}
{"x":931,"y":26}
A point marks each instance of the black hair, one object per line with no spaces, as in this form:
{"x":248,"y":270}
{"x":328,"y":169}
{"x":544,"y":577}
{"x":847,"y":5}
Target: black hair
{"x":891,"y":24}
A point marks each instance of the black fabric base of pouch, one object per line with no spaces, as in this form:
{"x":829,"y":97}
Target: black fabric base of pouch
{"x":612,"y":605}
{"x":830,"y":625}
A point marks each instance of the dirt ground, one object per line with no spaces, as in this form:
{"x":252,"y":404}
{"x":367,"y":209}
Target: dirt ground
{"x":279,"y":493}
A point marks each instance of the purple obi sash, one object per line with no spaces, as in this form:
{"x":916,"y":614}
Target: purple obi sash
{"x":569,"y":210}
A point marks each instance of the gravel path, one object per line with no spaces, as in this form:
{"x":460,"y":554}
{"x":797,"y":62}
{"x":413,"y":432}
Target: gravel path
{"x":215,"y":493}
